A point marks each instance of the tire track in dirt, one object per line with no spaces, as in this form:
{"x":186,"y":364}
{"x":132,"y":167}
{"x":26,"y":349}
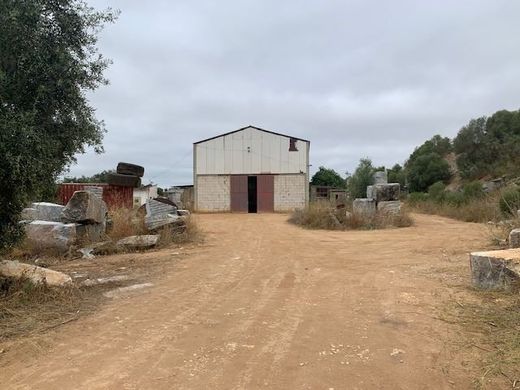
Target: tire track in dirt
{"x":266,"y":304}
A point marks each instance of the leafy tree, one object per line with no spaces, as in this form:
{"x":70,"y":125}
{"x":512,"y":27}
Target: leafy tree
{"x":436,"y":191}
{"x":426,"y":165}
{"x":327,"y":177}
{"x":397,"y":175}
{"x":489,"y":146}
{"x":48,"y":61}
{"x":437,"y":144}
{"x":100,"y":177}
{"x":427,"y":170}
{"x":361,"y":178}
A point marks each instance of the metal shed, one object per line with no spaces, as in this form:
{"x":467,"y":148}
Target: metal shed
{"x":251,"y":170}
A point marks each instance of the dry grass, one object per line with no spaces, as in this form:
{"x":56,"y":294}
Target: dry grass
{"x":499,"y":231}
{"x":494,"y":322}
{"x":323,"y":215}
{"x":126,"y":222}
{"x":476,"y":210}
{"x":27,"y":251}
{"x":27,"y":308}
{"x":186,"y":233}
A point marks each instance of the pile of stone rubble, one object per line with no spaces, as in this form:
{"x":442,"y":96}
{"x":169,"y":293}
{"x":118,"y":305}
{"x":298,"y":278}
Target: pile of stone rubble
{"x":57,"y":227}
{"x":83,"y":223}
{"x":382,"y":197}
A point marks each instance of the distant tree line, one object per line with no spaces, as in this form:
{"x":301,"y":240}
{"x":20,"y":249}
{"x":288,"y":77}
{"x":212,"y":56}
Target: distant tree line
{"x":100,"y":177}
{"x":485,"y":147}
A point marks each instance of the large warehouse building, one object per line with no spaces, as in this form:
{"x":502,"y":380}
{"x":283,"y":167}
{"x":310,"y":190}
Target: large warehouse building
{"x":251,"y":170}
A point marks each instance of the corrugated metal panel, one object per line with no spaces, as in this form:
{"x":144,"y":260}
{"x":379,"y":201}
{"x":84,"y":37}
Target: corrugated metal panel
{"x":238,"y":185}
{"x":250,"y":151}
{"x":114,"y":196}
{"x":265,"y":189}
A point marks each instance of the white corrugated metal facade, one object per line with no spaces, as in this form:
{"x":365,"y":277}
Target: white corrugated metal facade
{"x":249,"y":151}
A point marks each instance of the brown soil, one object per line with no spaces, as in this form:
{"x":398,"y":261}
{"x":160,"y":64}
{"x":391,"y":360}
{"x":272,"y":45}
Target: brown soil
{"x":265,"y":304}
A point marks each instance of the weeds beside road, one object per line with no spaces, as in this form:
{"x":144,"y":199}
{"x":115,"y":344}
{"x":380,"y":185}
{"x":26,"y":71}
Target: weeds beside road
{"x":324,"y":215}
{"x":264,"y":303}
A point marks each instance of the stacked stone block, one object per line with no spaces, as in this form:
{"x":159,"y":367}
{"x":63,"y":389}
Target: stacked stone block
{"x":381,"y":196}
{"x":52,"y":226}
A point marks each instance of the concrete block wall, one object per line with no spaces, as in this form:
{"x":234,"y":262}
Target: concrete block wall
{"x":290,"y":192}
{"x":213,"y":193}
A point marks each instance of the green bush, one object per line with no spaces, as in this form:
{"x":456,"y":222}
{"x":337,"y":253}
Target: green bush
{"x":417,"y":197}
{"x":509,"y":202}
{"x":436,"y":191}
{"x":361,"y":178}
{"x":454,"y":198}
{"x":426,"y":170}
{"x":473,"y":190}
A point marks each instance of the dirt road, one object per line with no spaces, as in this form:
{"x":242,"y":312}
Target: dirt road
{"x":268,"y":305}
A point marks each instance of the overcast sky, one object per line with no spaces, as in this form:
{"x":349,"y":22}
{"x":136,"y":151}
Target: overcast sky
{"x":356,"y":78}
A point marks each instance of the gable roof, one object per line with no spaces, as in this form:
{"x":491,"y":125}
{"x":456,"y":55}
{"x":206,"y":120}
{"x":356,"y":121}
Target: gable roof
{"x":252,"y":127}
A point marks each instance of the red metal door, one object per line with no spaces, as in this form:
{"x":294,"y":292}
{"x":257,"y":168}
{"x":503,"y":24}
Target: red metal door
{"x":265,"y":185}
{"x":238,"y":187}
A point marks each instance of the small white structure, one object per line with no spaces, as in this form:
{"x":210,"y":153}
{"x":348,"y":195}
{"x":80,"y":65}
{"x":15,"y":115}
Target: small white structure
{"x":251,"y":170}
{"x":143,"y":193}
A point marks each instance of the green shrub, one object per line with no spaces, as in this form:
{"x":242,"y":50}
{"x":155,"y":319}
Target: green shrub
{"x":323,"y":215}
{"x":509,"y":202}
{"x":417,"y":197}
{"x":473,"y":190}
{"x":456,"y":199}
{"x":436,"y":191}
{"x":361,"y":178}
{"x":426,"y":170}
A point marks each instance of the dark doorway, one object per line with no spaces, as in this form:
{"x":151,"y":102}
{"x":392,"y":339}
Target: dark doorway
{"x":251,"y":194}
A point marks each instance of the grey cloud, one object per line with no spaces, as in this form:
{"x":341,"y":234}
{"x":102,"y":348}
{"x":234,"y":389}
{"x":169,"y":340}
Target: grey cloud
{"x":357,"y":78}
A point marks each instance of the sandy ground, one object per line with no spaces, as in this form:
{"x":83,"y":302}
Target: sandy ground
{"x":264,"y":304}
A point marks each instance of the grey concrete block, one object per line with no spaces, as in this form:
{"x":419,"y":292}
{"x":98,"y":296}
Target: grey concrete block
{"x":514,"y":238}
{"x":364,"y":207}
{"x":495,"y":270}
{"x":389,"y":207}
{"x":371,"y":193}
{"x":91,"y":232}
{"x":380,"y":177}
{"x":98,"y":191}
{"x":46,"y":211}
{"x":50,"y":235}
{"x":29,"y":214}
{"x":139,"y":242}
{"x":85,"y":207}
{"x":385,"y":192}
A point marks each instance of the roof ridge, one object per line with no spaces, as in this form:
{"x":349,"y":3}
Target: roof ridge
{"x":254,"y":127}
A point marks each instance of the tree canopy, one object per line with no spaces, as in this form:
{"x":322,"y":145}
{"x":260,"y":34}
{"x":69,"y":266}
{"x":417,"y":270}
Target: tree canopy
{"x":426,"y":165}
{"x":48,"y":61}
{"x":362,"y":177}
{"x":426,"y":170}
{"x":100,"y":177}
{"x":327,"y":177}
{"x":397,"y":174}
{"x":489,"y":146}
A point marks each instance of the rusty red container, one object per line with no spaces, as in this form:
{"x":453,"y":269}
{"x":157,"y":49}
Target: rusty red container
{"x":114,"y":196}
